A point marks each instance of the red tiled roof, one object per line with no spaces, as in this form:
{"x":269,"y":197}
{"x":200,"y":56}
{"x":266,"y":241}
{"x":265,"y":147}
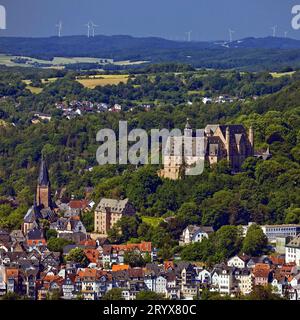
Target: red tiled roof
{"x":87,"y":273}
{"x":78,"y":204}
{"x":287,"y":269}
{"x":92,"y":255}
{"x":261,"y":270}
{"x":88,"y":243}
{"x":12,"y":273}
{"x":120,"y":267}
{"x":136,"y":273}
{"x":143,"y":247}
{"x":277,"y":260}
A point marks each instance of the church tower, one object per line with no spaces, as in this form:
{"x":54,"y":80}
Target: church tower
{"x":43,"y":192}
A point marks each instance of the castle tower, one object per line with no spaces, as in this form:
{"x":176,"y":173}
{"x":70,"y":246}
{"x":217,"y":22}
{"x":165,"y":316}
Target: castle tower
{"x":188,"y":131}
{"x":251,"y":139}
{"x":43,"y":192}
{"x":227,"y":143}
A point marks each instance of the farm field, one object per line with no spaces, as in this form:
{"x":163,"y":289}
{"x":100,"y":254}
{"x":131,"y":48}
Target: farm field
{"x":90,"y":82}
{"x":281,"y":74}
{"x":103,"y":80}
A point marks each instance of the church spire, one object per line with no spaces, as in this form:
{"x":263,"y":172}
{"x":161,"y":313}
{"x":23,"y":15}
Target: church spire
{"x":43,"y":192}
{"x":43,"y":179}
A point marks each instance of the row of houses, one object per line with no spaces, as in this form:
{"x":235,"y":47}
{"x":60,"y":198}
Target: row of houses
{"x":28,"y":267}
{"x":78,"y":108}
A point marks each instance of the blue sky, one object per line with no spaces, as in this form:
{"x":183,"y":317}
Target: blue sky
{"x":208,"y":19}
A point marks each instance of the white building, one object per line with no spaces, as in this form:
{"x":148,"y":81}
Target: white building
{"x":276,"y":231}
{"x":207,"y":100}
{"x":192,"y":234}
{"x":292,"y":251}
{"x":161,"y":285}
{"x":238,"y":261}
{"x":245,"y":280}
{"x":285,"y":230}
{"x":222,"y":280}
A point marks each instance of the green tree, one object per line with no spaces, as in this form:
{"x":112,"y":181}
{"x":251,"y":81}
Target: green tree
{"x":51,"y":233}
{"x":292,"y":216}
{"x":57,"y":244}
{"x":263,"y":293}
{"x":77,"y":255}
{"x":149,"y":295}
{"x":134,"y":259}
{"x":113,"y":294}
{"x":255,"y":242}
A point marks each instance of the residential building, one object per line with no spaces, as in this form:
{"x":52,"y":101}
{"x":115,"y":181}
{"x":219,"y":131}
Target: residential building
{"x":108,"y":212}
{"x":292,"y":251}
{"x":238,"y":261}
{"x":193,"y":233}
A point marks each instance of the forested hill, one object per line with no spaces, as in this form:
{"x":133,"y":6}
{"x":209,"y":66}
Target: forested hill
{"x":264,"y":192}
{"x":250,"y":53}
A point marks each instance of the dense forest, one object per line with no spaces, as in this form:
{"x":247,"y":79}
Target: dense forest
{"x":264,"y":192}
{"x":247,"y":54}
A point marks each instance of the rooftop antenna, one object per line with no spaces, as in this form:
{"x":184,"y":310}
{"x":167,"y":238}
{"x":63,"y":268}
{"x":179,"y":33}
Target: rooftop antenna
{"x":274,"y":28}
{"x":93,"y":26}
{"x":59,"y":26}
{"x":189,"y":36}
{"x":231,"y":32}
{"x":88,"y":25}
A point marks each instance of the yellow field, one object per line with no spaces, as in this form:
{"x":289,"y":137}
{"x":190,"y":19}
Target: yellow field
{"x":102,"y":80}
{"x":34,"y":89}
{"x":281,"y":74}
{"x":91,"y":82}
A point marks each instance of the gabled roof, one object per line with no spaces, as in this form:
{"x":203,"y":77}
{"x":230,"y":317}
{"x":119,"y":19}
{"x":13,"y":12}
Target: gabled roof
{"x":32,"y":215}
{"x":261,"y":270}
{"x":112,"y":204}
{"x":143,"y":247}
{"x":295,"y":243}
{"x":78,"y":204}
{"x":194,"y":228}
{"x":17,"y":234}
{"x":35,"y":234}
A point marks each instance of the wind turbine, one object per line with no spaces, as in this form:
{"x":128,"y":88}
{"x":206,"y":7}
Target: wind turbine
{"x":88,"y":25}
{"x":231,"y":32}
{"x":189,"y":34}
{"x":274,"y":28}
{"x":59,"y":26}
{"x":93,"y":26}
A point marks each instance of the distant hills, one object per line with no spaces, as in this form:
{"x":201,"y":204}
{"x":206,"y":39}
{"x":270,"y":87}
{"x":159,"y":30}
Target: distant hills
{"x":266,"y":43}
{"x":248,"y":53}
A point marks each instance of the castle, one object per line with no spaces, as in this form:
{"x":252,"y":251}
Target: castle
{"x":43,"y":207}
{"x":231,"y":142}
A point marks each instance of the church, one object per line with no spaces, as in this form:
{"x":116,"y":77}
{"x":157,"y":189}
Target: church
{"x":43,"y":207}
{"x":230,"y":142}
